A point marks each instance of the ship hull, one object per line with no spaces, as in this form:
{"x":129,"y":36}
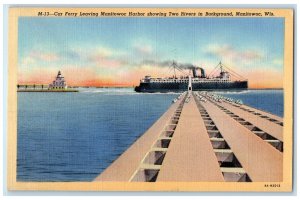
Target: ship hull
{"x":175,"y":87}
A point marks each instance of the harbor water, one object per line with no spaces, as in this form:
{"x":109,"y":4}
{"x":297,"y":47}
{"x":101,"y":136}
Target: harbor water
{"x":75,"y":136}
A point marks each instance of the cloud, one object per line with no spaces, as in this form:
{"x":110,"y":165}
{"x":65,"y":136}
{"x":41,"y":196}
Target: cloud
{"x":98,"y":56}
{"x":43,"y":56}
{"x":228,"y":52}
{"x":106,"y":59}
{"x":264,"y":78}
{"x":36,"y":75}
{"x":99,"y":65}
{"x":86,"y":53}
{"x":73,"y":75}
{"x":28,"y":60}
{"x":143,"y":49}
{"x":166,"y":63}
{"x":71,"y":54}
{"x":278,"y":62}
{"x":156,"y":63}
{"x":103,"y":52}
{"x":107,"y":63}
{"x":37,"y":58}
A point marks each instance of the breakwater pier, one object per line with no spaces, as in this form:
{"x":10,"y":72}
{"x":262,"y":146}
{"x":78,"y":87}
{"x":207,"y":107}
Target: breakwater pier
{"x":41,"y":88}
{"x":204,"y":137}
{"x":58,"y":85}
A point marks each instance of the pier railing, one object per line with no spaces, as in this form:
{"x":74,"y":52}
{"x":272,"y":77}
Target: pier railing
{"x":32,"y":86}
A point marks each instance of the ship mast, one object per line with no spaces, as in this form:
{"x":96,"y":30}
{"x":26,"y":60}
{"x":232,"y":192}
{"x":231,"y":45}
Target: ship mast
{"x":221,"y":66}
{"x":224,"y":68}
{"x":174,"y":67}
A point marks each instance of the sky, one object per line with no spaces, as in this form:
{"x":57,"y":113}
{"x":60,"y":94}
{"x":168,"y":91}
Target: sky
{"x":121,"y":51}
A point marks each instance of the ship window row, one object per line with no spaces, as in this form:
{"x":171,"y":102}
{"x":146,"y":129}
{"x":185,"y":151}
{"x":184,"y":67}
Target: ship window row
{"x":168,"y":81}
{"x":186,"y":81}
{"x":210,"y":81}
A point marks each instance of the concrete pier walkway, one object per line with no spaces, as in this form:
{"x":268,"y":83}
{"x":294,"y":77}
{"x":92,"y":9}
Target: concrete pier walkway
{"x":201,"y":139}
{"x":261,"y":161}
{"x":264,"y":124}
{"x":129,"y":162}
{"x":190,"y":155}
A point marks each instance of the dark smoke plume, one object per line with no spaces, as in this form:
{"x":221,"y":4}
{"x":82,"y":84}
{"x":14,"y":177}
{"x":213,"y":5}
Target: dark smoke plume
{"x":168,"y":63}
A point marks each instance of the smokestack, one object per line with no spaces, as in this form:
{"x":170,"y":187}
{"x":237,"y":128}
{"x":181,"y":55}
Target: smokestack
{"x":194,"y":72}
{"x":202,"y":73}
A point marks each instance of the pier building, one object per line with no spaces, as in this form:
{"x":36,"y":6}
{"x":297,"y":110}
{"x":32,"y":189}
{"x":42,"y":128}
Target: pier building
{"x":59,"y":82}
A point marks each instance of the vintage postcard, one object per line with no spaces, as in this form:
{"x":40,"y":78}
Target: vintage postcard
{"x":150,"y":99}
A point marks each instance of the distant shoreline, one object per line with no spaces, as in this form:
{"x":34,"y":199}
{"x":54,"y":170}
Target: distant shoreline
{"x":220,"y":90}
{"x":39,"y":90}
{"x":265,"y":88}
{"x":120,"y":87}
{"x":132,"y":87}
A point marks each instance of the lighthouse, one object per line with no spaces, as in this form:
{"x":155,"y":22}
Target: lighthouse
{"x":190,"y":83}
{"x":59,"y":82}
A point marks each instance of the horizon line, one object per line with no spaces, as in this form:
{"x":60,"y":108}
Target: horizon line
{"x":130,"y":86}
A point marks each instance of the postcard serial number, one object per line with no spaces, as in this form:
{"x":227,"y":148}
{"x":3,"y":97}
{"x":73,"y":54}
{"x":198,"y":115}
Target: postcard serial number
{"x":68,"y":14}
{"x":272,"y":185}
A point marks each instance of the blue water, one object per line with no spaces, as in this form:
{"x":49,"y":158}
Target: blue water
{"x":75,"y":136}
{"x":268,"y":100}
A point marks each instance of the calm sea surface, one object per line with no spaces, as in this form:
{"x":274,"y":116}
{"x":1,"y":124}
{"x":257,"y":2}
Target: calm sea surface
{"x":75,"y":136}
